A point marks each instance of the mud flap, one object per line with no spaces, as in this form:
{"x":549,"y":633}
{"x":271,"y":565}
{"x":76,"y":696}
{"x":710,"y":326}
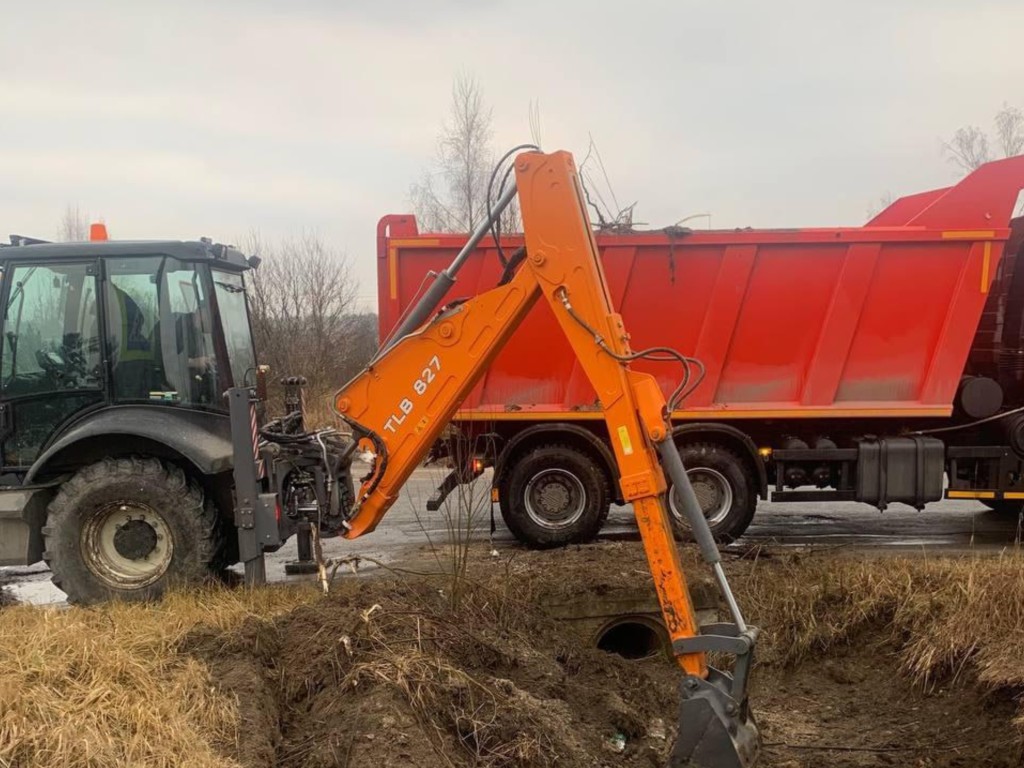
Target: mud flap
{"x":715,"y":730}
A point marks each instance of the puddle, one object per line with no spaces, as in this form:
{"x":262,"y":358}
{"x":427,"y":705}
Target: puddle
{"x":31,"y":585}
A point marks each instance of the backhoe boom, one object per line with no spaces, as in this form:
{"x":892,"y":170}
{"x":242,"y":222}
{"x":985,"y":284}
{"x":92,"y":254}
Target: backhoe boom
{"x":400,"y":404}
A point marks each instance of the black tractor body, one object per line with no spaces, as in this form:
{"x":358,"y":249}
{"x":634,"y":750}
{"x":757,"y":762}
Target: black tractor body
{"x":116,"y":451}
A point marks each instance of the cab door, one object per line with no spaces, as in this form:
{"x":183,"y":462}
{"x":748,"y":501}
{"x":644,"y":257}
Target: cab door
{"x":51,"y":355}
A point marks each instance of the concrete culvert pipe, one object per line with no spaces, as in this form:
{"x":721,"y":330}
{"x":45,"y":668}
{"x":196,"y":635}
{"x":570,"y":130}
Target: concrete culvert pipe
{"x":632,"y":637}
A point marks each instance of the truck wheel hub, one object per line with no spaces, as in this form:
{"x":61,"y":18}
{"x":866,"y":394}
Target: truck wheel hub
{"x":713,"y":492}
{"x":127,"y":545}
{"x":555,"y":498}
{"x":135,"y":540}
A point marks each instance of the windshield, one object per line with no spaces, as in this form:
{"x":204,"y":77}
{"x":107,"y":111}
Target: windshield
{"x":52,"y":332}
{"x":235,"y":320}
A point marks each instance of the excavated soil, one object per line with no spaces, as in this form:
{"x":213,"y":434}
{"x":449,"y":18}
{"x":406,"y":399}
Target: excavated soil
{"x":398,"y":671}
{"x":389,"y":674}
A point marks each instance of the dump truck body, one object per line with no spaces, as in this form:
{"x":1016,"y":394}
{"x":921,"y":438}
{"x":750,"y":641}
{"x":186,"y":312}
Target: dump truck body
{"x":808,"y":337}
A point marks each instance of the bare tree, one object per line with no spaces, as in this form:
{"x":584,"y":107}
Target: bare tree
{"x":971,"y":146}
{"x":1010,"y":130}
{"x":73,"y":226}
{"x":304,"y":317}
{"x":968,"y":148}
{"x":453,"y":197}
{"x":535,"y":122}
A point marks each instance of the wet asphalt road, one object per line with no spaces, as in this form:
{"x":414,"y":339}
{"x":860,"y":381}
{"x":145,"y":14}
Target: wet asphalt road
{"x":849,"y":528}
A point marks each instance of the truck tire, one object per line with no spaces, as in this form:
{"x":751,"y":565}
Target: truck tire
{"x":554,"y":495}
{"x":127,"y":529}
{"x":725,"y":492}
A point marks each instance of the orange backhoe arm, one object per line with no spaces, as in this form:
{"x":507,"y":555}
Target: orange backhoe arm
{"x":409,"y":395}
{"x":404,"y":399}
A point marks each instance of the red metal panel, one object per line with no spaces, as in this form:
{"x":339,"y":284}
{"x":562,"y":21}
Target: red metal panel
{"x":840,"y":325}
{"x":670,"y":297}
{"x":719,"y":322}
{"x":876,"y":320}
{"x":785,"y":304}
{"x":957,"y":332}
{"x":903,"y":210}
{"x":904,"y":312}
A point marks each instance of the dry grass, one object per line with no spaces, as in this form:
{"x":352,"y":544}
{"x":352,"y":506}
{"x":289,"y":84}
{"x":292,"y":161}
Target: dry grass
{"x":106,"y":687}
{"x":111,"y":686}
{"x":945,"y":616}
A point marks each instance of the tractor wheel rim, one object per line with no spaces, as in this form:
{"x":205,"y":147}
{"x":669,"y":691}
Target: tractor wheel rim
{"x":713,"y":491}
{"x":555,"y":499}
{"x":127,"y":544}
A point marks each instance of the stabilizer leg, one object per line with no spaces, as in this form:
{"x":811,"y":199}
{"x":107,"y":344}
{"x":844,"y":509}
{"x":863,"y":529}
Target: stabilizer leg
{"x":256,"y":572}
{"x":304,"y":562}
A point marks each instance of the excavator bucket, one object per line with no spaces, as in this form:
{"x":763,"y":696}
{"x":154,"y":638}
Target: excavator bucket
{"x":714,"y":728}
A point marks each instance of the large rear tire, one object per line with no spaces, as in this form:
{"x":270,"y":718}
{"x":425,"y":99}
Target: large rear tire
{"x":554,"y":495}
{"x":128,"y":529}
{"x":723,"y":488}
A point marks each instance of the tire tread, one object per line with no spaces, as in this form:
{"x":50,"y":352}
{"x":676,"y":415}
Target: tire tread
{"x":176,"y":492}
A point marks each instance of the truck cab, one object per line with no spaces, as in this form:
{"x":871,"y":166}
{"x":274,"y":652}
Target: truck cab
{"x":114,"y":357}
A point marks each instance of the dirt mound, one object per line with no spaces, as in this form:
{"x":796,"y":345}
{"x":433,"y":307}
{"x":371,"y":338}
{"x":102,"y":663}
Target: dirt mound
{"x":390,"y":672}
{"x":854,"y":709}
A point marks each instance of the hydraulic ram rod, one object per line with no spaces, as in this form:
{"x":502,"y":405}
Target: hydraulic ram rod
{"x":446,"y":279}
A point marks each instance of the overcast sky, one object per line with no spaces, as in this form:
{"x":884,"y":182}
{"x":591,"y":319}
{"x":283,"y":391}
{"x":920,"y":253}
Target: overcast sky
{"x":214,"y":118}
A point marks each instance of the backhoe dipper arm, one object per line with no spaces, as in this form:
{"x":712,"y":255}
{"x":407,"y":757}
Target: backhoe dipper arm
{"x":403,"y":400}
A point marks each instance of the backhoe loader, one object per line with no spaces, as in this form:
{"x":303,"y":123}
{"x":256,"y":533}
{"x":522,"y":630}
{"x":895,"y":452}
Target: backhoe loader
{"x":287,"y":478}
{"x":133,"y":443}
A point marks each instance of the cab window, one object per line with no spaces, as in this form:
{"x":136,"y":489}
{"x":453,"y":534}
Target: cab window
{"x":234,"y":317}
{"x":51,"y":336}
{"x":160,"y":331}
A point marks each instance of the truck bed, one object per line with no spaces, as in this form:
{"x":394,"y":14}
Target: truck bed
{"x":876,"y":320}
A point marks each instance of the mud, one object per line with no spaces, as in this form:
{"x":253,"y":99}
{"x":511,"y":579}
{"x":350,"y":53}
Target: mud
{"x":398,"y":671}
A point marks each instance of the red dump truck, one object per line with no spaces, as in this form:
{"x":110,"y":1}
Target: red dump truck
{"x":881,"y":364}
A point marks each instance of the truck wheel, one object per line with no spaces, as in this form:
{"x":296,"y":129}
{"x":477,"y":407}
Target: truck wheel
{"x":719,"y":479}
{"x":127,"y":529}
{"x":553,"y":496}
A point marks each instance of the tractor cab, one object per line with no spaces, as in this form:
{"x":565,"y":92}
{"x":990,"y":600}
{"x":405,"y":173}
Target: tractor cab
{"x":115,"y":439}
{"x":90,"y":326}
